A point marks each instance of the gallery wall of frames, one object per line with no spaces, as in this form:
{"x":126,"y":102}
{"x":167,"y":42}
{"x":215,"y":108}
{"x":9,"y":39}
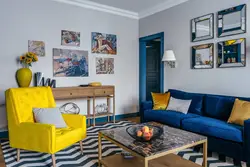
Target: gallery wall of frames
{"x":73,"y":62}
{"x":230,"y":53}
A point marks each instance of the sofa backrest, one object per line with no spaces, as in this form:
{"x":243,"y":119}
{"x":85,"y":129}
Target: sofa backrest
{"x":219,"y":106}
{"x":196,"y":106}
{"x":214,"y":106}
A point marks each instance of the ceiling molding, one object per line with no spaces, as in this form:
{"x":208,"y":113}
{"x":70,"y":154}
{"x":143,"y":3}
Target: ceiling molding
{"x":100,"y":7}
{"x":161,"y":7}
{"x":121,"y":12}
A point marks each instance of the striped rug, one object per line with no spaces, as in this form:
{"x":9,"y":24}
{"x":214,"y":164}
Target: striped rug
{"x":71,"y":157}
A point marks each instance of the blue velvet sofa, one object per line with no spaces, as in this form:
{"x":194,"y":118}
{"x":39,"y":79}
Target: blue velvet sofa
{"x":207,"y":115}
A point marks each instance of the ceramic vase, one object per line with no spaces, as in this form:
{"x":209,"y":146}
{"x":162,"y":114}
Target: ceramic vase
{"x":24,"y":77}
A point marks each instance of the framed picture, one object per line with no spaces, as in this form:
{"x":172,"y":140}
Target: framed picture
{"x":37,"y":47}
{"x":232,"y":21}
{"x":202,"y":28}
{"x":232,"y":53}
{"x":203,"y":56}
{"x":70,"y":38}
{"x":104,"y":65}
{"x":104,"y":43}
{"x":70,"y":63}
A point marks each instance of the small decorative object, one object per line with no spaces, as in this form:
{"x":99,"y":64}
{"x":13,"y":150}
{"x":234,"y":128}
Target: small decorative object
{"x":40,"y":80}
{"x":203,"y":56}
{"x":232,"y":53}
{"x":69,"y":108}
{"x":95,"y":84}
{"x":37,"y":47}
{"x":101,"y":108}
{"x":104,"y":65}
{"x":203,"y":28}
{"x":70,"y":63}
{"x":144,"y":133}
{"x":232,"y":21}
{"x":169,"y":57}
{"x":104,"y":43}
{"x":70,"y":38}
{"x":24,"y":75}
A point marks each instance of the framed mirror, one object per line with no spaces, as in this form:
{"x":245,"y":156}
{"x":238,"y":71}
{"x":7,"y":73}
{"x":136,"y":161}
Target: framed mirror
{"x":232,"y":53}
{"x":232,"y":21}
{"x":202,"y":28}
{"x":203,"y":56}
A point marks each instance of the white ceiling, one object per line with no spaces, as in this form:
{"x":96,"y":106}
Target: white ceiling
{"x":131,"y":5}
{"x":135,"y":9}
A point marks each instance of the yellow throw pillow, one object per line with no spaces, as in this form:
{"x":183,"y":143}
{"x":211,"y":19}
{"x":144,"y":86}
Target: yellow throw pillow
{"x":240,"y":112}
{"x":160,"y":100}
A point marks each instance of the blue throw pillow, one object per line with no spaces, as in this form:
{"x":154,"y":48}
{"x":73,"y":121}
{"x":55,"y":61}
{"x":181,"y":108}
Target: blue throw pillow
{"x":197,"y":100}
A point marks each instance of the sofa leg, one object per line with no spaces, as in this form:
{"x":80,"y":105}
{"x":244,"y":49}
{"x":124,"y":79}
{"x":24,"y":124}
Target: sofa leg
{"x":53,"y":160}
{"x":18,"y":155}
{"x":80,"y":142}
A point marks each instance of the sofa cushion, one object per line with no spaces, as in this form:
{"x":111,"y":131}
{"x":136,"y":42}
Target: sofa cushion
{"x":168,"y":117}
{"x":214,"y":127}
{"x":218,"y":107}
{"x":197,"y":100}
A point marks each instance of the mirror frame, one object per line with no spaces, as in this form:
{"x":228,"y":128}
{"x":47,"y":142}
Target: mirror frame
{"x":241,"y":41}
{"x":221,"y":14}
{"x":194,"y":22}
{"x":209,"y":46}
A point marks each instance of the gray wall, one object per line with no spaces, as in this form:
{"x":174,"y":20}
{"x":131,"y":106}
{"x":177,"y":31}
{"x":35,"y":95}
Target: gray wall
{"x":23,"y":20}
{"x":175,"y":22}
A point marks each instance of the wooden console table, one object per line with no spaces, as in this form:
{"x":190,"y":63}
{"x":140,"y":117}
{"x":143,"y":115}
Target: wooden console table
{"x":90,"y":92}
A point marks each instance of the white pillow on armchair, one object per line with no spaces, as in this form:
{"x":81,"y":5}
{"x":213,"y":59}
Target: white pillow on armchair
{"x":49,"y":116}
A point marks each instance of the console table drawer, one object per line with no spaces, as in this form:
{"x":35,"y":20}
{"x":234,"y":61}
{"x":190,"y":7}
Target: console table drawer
{"x":104,"y":92}
{"x":64,"y":94}
{"x":85,"y":92}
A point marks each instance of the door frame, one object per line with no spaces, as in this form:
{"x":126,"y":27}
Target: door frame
{"x":142,"y":64}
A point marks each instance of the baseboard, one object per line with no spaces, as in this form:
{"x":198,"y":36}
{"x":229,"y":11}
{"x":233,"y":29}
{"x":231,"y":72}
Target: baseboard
{"x":117,"y":118}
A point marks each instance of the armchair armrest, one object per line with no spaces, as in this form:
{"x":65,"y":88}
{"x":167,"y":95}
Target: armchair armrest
{"x":75,"y":121}
{"x":146,"y":105}
{"x":36,"y":137}
{"x":247,"y":139}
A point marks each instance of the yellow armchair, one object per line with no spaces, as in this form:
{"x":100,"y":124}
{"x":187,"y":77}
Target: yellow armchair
{"x":24,"y":133}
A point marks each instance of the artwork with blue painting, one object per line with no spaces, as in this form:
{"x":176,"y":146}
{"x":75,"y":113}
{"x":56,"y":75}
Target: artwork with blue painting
{"x":70,"y":63}
{"x":104,"y":43}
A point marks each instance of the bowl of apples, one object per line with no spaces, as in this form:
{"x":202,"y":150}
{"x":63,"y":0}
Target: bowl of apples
{"x":144,"y":133}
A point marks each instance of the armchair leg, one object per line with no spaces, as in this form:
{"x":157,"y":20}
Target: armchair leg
{"x":18,"y":155}
{"x":53,"y":160}
{"x":81,"y":147}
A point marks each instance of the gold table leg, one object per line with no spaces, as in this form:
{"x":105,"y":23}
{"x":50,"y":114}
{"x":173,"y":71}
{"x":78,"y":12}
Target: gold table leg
{"x":204,"y":164}
{"x":145,"y":163}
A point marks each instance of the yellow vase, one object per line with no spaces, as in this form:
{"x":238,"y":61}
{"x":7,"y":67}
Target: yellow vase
{"x":24,"y":76}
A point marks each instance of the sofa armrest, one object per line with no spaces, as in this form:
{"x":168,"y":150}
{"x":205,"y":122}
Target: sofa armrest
{"x":146,"y":105}
{"x":247,"y":139}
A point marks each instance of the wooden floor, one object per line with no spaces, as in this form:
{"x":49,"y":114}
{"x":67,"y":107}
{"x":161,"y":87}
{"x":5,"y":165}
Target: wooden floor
{"x":2,"y":164}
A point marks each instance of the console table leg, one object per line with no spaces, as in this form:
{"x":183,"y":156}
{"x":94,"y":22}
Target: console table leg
{"x":204,"y":164}
{"x":88,"y":110}
{"x":114,"y":107}
{"x":94,"y":111}
{"x":108,"y":104}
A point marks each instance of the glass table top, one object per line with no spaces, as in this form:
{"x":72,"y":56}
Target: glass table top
{"x":171,"y":138}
